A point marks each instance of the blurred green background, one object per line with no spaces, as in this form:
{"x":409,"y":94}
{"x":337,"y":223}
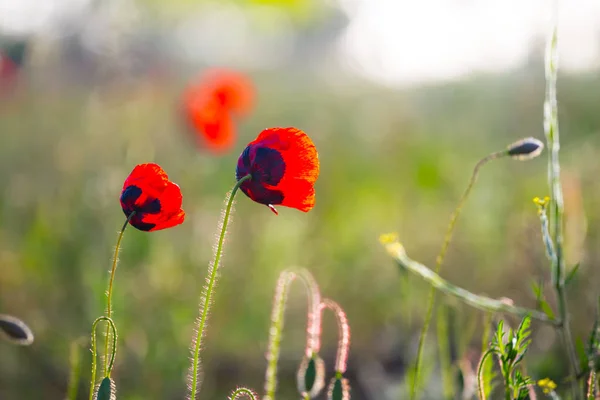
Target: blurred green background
{"x":76,"y":122}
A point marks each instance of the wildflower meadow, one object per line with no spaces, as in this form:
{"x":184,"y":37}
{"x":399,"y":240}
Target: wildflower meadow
{"x":201,"y":223}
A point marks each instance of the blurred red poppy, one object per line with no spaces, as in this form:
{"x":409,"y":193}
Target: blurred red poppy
{"x":155,"y":200}
{"x":284,"y":166}
{"x":213,"y":102}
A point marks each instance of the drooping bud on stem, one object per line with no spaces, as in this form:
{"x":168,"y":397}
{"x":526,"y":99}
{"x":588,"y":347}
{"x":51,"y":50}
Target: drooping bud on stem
{"x":313,"y":341}
{"x":525,"y":149}
{"x":107,"y":390}
{"x":311,"y":376}
{"x":15,"y":330}
{"x":338,"y":389}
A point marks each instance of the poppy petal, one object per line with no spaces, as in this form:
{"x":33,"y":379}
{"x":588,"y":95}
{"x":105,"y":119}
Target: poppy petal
{"x":155,"y":200}
{"x":284,"y":165}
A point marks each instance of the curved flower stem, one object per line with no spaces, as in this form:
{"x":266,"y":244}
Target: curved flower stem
{"x":341,"y":359}
{"x":109,"y":292}
{"x":440,"y":260}
{"x":239,"y":392}
{"x":208,"y":290}
{"x":112,"y":326}
{"x":480,"y":383}
{"x":277,"y":322}
{"x":396,"y":250}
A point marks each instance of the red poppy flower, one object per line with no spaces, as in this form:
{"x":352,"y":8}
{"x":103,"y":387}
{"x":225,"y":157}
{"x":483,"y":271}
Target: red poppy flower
{"x":155,"y":200}
{"x":284,"y":166}
{"x":213,"y":101}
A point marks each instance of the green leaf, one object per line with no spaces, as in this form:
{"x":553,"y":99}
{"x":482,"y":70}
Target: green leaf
{"x":571,"y":274}
{"x":545,"y":307}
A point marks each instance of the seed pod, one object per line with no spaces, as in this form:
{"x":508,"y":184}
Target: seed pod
{"x":15,"y":330}
{"x":311,"y":376}
{"x":525,"y":149}
{"x":339,"y":388}
{"x":107,"y":390}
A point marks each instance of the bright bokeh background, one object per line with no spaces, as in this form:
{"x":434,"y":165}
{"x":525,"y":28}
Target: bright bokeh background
{"x":401,"y":98}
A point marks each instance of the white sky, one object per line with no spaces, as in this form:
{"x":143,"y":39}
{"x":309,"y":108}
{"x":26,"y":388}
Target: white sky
{"x":394,"y":42}
{"x":408,"y":41}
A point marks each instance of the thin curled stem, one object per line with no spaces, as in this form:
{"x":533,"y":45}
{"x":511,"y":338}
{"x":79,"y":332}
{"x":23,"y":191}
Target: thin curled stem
{"x":397,"y":252}
{"x":110,"y":290}
{"x":277,"y":323}
{"x":239,"y":392}
{"x":341,"y":359}
{"x":209,"y":289}
{"x":112,"y":326}
{"x":480,"y":383}
{"x":440,"y":259}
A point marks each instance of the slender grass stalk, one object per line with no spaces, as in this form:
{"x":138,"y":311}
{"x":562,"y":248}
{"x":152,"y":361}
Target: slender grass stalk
{"x":440,"y":260}
{"x":551,"y":132}
{"x":313,"y":341}
{"x":110,"y":290}
{"x":480,"y":368}
{"x":443,"y":342}
{"x":396,"y":250}
{"x":208,"y":290}
{"x":240,"y":392}
{"x":75,"y":370}
{"x":110,"y":364}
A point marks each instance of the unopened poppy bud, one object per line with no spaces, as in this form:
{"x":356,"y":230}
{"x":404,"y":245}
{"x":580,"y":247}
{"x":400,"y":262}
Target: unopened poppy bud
{"x":311,"y":376}
{"x":107,"y":390}
{"x":339,"y":388}
{"x":525,"y":149}
{"x":15,"y":330}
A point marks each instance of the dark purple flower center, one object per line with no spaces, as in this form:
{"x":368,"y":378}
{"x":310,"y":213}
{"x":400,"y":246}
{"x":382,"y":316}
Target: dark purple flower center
{"x":267,"y":167}
{"x":152,"y":206}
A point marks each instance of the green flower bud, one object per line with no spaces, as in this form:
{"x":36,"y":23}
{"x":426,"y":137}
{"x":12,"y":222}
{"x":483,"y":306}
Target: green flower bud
{"x":107,"y":390}
{"x":311,"y":376}
{"x":339,"y":388}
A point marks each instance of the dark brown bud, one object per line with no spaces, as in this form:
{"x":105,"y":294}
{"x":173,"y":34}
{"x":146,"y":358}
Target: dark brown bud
{"x":15,"y":330}
{"x":525,"y":149}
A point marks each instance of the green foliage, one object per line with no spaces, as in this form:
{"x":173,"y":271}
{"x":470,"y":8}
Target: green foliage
{"x":510,"y":348}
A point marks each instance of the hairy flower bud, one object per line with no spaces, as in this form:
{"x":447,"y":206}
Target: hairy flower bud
{"x":525,"y":149}
{"x":311,"y":376}
{"x":15,"y":330}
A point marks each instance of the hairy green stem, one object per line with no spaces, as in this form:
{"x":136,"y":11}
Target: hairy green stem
{"x":110,"y":290}
{"x":110,"y":364}
{"x":313,"y":328}
{"x":556,"y":196}
{"x":275,"y":332}
{"x":239,"y":392}
{"x":396,"y":250}
{"x":440,"y":260}
{"x":208,"y":289}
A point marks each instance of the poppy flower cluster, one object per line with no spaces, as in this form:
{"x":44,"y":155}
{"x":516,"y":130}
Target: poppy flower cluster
{"x":284,"y":165}
{"x":150,"y":200}
{"x":211,"y":104}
